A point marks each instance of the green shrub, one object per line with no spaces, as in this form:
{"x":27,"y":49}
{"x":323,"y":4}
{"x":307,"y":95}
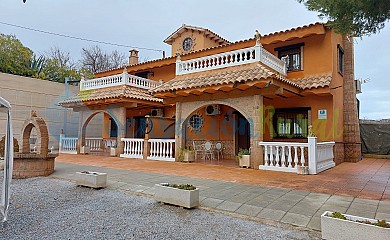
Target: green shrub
{"x":182,"y":186}
{"x":338,"y":215}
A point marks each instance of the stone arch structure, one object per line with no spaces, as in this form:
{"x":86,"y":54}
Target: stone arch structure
{"x":251,"y":107}
{"x":117,"y":114}
{"x":42,"y":134}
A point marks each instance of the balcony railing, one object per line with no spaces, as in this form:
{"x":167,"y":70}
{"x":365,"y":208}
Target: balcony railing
{"x":287,"y":156}
{"x":117,"y":80}
{"x":229,"y":59}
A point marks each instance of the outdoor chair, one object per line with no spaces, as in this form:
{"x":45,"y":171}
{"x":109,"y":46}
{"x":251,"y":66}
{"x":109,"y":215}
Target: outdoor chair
{"x":219,"y":149}
{"x":198,"y":149}
{"x":208,"y":151}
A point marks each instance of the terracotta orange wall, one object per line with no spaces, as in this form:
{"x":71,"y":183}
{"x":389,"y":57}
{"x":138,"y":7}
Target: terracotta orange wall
{"x":106,"y":126}
{"x":317,"y":54}
{"x":164,"y":73}
{"x":201,"y":41}
{"x":322,"y":128}
{"x":214,"y":127}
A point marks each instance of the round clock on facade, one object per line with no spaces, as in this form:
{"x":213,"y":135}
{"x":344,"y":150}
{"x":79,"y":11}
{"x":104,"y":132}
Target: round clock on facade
{"x":187,"y":44}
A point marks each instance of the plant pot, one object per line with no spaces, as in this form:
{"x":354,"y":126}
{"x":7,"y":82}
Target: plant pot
{"x":340,"y":229}
{"x":175,"y":196}
{"x":189,"y":157}
{"x":113,"y":152}
{"x":244,"y":161}
{"x":91,"y":179}
{"x":85,"y":150}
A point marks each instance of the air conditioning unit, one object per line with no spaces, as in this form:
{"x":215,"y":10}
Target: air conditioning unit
{"x":212,"y":110}
{"x":358,"y":86}
{"x":157,"y":112}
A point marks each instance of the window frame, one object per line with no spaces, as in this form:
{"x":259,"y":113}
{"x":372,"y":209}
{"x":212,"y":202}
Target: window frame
{"x":340,"y":59}
{"x":305,"y":111}
{"x":299,"y":48}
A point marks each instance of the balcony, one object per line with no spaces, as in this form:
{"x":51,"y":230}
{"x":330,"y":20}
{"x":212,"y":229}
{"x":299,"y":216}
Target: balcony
{"x":229,"y":59}
{"x":117,"y":80}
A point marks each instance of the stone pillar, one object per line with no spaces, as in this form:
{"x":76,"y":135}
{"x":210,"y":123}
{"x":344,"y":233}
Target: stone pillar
{"x":178,"y":130}
{"x":120,"y":115}
{"x":257,"y":157}
{"x":81,"y":132}
{"x":352,"y":143}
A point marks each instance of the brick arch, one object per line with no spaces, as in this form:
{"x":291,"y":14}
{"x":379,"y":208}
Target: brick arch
{"x":42,"y":134}
{"x":186,"y":113}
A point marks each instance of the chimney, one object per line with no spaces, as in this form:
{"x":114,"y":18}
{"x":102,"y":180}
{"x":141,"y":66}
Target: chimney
{"x":133,"y":59}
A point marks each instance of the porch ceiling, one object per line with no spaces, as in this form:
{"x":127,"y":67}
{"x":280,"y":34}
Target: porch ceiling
{"x":127,"y":95}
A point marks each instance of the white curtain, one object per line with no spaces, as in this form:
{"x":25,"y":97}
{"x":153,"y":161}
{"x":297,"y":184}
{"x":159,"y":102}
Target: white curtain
{"x":8,"y":159}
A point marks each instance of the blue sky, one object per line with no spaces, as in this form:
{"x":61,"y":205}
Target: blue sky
{"x":147,"y":23}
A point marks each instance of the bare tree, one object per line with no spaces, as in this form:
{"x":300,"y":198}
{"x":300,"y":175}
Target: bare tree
{"x":117,"y":59}
{"x":62,"y":58}
{"x":96,"y":60}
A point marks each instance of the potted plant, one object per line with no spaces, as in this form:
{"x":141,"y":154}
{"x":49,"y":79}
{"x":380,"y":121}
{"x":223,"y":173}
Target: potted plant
{"x":335,"y":225}
{"x":85,"y":150}
{"x":91,"y":179}
{"x":187,"y":155}
{"x":244,"y":157}
{"x":183,"y":195}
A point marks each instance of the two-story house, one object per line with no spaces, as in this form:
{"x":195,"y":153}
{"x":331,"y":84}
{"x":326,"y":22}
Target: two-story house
{"x":266,"y":94}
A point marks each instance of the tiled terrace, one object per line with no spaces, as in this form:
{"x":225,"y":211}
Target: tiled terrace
{"x":369,"y":178}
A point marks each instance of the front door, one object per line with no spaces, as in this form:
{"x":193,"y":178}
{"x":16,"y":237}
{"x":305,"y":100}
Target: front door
{"x":242,"y":133}
{"x":140,"y":127}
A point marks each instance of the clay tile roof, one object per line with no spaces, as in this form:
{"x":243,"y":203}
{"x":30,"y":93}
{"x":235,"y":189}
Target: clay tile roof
{"x":123,"y":91}
{"x":313,"y":81}
{"x":243,"y":73}
{"x":180,"y":30}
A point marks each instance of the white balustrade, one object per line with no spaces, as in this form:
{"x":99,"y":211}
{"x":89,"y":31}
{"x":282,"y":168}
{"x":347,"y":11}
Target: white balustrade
{"x":117,"y":80}
{"x":287,"y":156}
{"x":133,"y":148}
{"x":278,"y":156}
{"x":68,"y":145}
{"x":229,"y":59}
{"x":108,"y":142}
{"x":325,"y":156}
{"x":94,"y":144}
{"x":162,"y":149}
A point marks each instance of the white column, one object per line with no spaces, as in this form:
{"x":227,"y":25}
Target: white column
{"x":312,"y":154}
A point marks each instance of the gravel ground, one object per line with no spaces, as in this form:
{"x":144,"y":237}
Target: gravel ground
{"x":46,"y":208}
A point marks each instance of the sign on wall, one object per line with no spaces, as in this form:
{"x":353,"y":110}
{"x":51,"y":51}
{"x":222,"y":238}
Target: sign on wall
{"x":322,"y":114}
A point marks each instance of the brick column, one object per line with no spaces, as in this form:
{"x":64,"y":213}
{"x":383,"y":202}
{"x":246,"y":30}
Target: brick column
{"x":81,"y":132}
{"x":256,"y":132}
{"x":352,"y":143}
{"x":178,"y":129}
{"x":120,"y":114}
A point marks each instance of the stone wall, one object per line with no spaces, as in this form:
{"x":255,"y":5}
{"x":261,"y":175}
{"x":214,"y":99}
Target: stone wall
{"x":27,"y":94}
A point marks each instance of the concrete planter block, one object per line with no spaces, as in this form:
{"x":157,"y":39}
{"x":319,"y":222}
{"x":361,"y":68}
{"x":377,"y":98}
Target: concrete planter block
{"x":334,"y":228}
{"x":175,"y":196}
{"x":113,"y":152}
{"x":302,"y":170}
{"x":85,"y":150}
{"x":91,"y":179}
{"x":244,"y":161}
{"x":189,"y":157}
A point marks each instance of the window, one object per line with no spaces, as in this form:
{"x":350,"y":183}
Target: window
{"x":340,"y":57}
{"x":292,"y":55}
{"x":291,"y":123}
{"x":196,"y":122}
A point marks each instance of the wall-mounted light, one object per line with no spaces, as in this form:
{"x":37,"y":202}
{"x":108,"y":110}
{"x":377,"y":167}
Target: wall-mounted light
{"x":227,"y":117}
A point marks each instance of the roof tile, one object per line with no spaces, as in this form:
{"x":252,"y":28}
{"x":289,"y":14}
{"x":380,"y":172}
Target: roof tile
{"x":122,"y":91}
